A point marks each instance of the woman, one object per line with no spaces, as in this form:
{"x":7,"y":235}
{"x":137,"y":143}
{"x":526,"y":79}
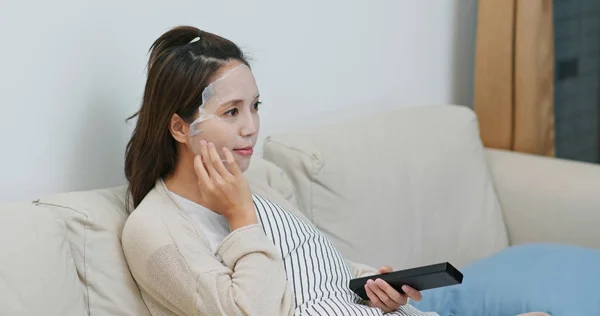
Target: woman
{"x":198,"y":242}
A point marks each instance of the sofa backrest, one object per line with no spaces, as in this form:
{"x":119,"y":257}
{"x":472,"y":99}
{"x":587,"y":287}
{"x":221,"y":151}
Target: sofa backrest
{"x":406,"y":188}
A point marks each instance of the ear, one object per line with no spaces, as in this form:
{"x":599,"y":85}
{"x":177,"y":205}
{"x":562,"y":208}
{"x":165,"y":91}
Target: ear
{"x":179,"y":129}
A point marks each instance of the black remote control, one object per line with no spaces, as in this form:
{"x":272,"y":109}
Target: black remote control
{"x":420,"y":279}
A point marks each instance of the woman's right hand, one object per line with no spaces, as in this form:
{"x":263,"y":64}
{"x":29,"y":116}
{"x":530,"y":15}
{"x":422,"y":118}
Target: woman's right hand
{"x":224,"y":190}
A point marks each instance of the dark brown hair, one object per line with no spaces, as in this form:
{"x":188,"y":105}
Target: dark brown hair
{"x":179,"y":68}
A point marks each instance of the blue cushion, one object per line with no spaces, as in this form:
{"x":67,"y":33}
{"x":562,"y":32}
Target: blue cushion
{"x":560,"y":280}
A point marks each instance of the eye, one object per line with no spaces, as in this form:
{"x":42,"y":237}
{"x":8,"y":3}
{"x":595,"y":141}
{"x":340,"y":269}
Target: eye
{"x":232,"y":112}
{"x":256,"y":105}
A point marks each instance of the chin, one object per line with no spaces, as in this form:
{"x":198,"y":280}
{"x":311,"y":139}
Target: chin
{"x":243,"y":164}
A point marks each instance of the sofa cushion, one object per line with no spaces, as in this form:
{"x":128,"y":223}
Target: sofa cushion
{"x":406,"y":188}
{"x":94,"y":221}
{"x":557,"y":279}
{"x":37,"y":273}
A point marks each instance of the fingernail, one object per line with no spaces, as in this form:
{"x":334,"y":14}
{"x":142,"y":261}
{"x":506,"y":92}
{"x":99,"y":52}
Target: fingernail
{"x":203,"y":142}
{"x":211,"y":144}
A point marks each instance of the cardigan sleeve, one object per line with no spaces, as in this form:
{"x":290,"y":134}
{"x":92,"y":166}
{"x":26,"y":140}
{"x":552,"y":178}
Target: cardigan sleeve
{"x":177,"y":272}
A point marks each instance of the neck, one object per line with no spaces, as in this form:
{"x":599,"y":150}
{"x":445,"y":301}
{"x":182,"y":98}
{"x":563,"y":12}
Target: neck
{"x":183,"y":180}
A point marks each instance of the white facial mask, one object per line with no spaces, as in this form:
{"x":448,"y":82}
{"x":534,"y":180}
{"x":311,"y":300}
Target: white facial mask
{"x":227,"y":112}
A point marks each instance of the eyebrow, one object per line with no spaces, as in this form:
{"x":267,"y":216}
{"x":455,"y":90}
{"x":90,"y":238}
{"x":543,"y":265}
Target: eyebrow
{"x":235,"y":101}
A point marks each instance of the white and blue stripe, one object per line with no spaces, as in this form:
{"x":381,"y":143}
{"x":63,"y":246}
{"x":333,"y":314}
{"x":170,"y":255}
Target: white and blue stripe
{"x":315,"y":269}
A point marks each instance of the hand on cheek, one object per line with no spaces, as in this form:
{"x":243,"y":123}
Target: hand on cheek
{"x":223,"y":189}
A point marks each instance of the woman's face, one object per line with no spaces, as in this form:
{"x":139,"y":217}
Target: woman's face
{"x":229,"y":114}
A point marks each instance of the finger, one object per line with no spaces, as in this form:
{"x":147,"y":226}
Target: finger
{"x":385,"y":269}
{"x":394,"y":295}
{"x":217,"y":162}
{"x":372,"y":296}
{"x":201,"y":172}
{"x":206,"y":158}
{"x":412,"y":293}
{"x":381,"y":295}
{"x":231,"y":164}
{"x":376,"y":305}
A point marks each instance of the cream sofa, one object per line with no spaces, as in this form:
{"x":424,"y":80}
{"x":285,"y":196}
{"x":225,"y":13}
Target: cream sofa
{"x":410,"y":187}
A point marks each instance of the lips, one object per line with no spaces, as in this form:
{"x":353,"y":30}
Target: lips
{"x":246,"y":151}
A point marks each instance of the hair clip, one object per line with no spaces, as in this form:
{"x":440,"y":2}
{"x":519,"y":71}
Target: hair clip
{"x":195,"y":40}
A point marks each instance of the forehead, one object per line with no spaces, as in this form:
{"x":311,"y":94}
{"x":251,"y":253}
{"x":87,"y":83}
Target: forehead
{"x":234,"y":81}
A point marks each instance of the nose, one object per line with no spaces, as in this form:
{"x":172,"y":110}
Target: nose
{"x":249,"y":125}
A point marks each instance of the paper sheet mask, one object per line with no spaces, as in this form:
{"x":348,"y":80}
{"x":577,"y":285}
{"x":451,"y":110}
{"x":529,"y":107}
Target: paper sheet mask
{"x":227,"y":108}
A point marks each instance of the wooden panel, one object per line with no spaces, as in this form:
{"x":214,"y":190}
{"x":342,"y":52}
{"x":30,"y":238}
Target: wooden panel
{"x":493,"y":97}
{"x":534,"y":78}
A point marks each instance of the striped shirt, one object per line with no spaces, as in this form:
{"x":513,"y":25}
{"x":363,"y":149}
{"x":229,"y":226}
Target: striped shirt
{"x":315,"y":269}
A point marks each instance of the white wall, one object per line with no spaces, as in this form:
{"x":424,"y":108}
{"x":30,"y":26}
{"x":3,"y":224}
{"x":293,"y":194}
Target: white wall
{"x":71,"y":71}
